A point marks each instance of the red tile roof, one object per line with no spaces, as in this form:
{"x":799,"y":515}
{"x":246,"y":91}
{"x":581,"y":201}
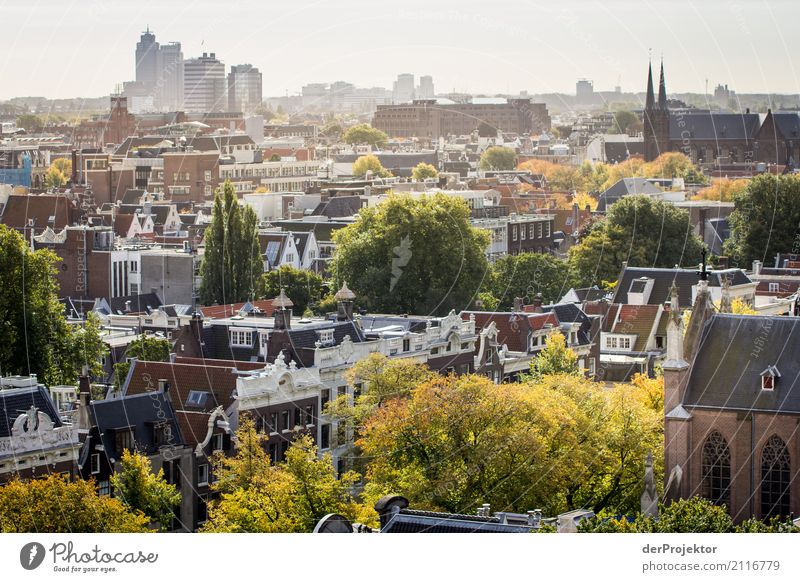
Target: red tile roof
{"x":20,"y":208}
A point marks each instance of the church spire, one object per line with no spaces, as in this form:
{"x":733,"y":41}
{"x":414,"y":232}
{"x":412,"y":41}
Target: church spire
{"x":650,"y":103}
{"x":662,"y":89}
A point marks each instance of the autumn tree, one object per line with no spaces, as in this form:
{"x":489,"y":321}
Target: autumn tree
{"x":498,"y":158}
{"x":637,"y":229}
{"x":36,"y":336}
{"x":55,"y":177}
{"x":365,"y":134}
{"x":722,"y":190}
{"x":371,"y":164}
{"x":232,"y":260}
{"x":412,"y":255}
{"x":291,"y":496}
{"x":423,"y":171}
{"x":56,"y":505}
{"x":141,"y":490}
{"x":302,"y":286}
{"x":526,"y":275}
{"x":765,"y":218}
{"x":555,"y":358}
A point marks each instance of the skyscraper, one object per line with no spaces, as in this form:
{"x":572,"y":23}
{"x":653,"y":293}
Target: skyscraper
{"x":147,"y":61}
{"x":244,"y":88}
{"x":403,"y":88}
{"x":425,"y":89}
{"x":169,"y":86}
{"x":204,"y":84}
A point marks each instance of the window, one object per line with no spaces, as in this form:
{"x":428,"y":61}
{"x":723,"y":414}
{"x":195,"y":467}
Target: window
{"x":326,"y":336}
{"x":716,"y":470}
{"x":532,"y":231}
{"x":196,"y":398}
{"x":325,"y":397}
{"x":309,"y":414}
{"x":775,"y":477}
{"x":406,"y":345}
{"x":134,"y":267}
{"x":546,"y":230}
{"x":104,"y":488}
{"x":273,"y":422}
{"x":767,"y":382}
{"x":273,"y":453}
{"x":538,"y":230}
{"x":611,"y":343}
{"x":95,"y":463}
{"x":522,"y":232}
{"x":216,"y":441}
{"x":285,"y":420}
{"x":162,"y":434}
{"x":625,"y":343}
{"x":123,"y":439}
{"x":202,"y":475}
{"x":241,"y":338}
{"x":202,"y":510}
{"x":660,"y":341}
{"x":774,"y":287}
{"x":325,"y":436}
{"x":514,"y":232}
{"x":592,"y":367}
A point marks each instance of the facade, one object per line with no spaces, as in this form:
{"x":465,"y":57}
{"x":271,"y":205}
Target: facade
{"x":432,"y":118}
{"x":425,"y":89}
{"x":403,"y":90}
{"x":169,"y":86}
{"x":204,"y":84}
{"x":530,"y":233}
{"x":244,"y":88}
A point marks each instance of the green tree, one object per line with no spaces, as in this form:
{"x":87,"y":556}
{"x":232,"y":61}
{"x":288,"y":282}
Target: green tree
{"x":765,"y":219}
{"x":332,"y":129}
{"x":423,"y":171}
{"x":303,"y":287}
{"x":498,"y":158}
{"x":148,"y":348}
{"x":30,"y":123}
{"x":626,"y":122}
{"x":370,"y":164}
{"x":365,"y":134}
{"x":36,"y":337}
{"x":527,"y":274}
{"x":141,"y":490}
{"x":412,"y":255}
{"x":232,"y":261}
{"x":56,"y":505}
{"x":642,"y":231}
{"x":555,"y":358}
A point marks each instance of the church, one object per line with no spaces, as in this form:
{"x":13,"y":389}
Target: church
{"x":732,"y":408}
{"x":719,"y":139}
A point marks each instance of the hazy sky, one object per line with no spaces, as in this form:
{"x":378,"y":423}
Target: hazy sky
{"x":68,"y":48}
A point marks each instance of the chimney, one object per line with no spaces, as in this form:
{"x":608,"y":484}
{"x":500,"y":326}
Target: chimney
{"x":344,"y":303}
{"x":128,"y":306}
{"x":537,"y":303}
{"x":756,"y":267}
{"x":535,"y":518}
{"x":84,"y":398}
{"x":283,"y":311}
{"x":519,"y":304}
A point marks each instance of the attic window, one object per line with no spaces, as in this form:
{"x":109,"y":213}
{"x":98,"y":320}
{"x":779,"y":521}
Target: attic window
{"x":326,"y":336}
{"x":196,"y":398}
{"x":769,"y":377}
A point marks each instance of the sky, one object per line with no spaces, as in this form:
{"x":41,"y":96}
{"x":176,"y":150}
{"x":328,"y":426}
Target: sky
{"x":85,"y":48}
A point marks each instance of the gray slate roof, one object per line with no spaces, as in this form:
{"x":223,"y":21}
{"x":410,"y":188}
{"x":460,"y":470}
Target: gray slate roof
{"x":685,"y":279}
{"x":704,"y":125}
{"x":726,"y":372}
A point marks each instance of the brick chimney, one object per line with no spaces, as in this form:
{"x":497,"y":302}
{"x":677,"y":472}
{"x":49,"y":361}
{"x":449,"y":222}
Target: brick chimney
{"x":283,"y":311}
{"x":344,"y":303}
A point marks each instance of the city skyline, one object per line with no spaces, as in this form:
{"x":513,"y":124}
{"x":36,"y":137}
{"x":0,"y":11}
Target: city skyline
{"x":543,"y":49}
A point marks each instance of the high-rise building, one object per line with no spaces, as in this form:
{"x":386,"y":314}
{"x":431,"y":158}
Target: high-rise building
{"x":169,"y":86}
{"x":204,"y":84}
{"x":584,"y":91}
{"x":244,"y":88}
{"x":147,"y":61}
{"x":425,"y":89}
{"x":403,"y":88}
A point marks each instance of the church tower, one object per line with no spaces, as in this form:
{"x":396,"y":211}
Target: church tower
{"x":655,"y":118}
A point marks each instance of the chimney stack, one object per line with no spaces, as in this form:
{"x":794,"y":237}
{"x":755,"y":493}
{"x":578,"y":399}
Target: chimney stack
{"x":518,"y":304}
{"x":344,"y":303}
{"x":537,"y":303}
{"x":283,"y":311}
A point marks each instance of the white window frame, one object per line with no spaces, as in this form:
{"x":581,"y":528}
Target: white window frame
{"x":202,"y":471}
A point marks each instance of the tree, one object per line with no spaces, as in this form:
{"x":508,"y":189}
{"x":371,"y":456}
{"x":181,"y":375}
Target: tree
{"x":555,"y":359}
{"x":148,"y":348}
{"x":764,"y":220}
{"x":55,"y":178}
{"x":232,"y":261}
{"x":412,"y":255}
{"x":291,"y":496}
{"x":498,"y":158}
{"x":562,"y":443}
{"x":141,"y":490}
{"x":56,"y":505}
{"x":36,"y":336}
{"x":423,"y":171}
{"x":529,"y":274}
{"x":642,"y":231}
{"x":30,"y":123}
{"x":332,"y":129}
{"x":303,"y":287}
{"x":626,"y":122}
{"x":365,"y":134}
{"x":370,"y":164}
{"x":722,"y":190}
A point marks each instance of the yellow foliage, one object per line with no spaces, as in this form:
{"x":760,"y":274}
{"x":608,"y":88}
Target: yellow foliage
{"x":722,"y":190}
{"x":582,"y":199}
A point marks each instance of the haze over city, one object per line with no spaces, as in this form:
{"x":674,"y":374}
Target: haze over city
{"x":537,"y":47}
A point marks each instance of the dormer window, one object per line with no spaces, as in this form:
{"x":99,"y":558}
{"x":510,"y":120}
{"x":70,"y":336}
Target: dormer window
{"x":769,"y":377}
{"x":241,"y":338}
{"x":326,"y":336}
